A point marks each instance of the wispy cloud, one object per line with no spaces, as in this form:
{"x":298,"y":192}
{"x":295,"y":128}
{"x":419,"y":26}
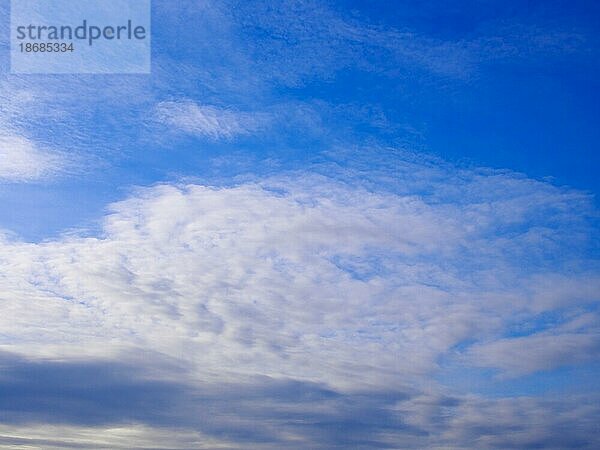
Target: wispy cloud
{"x":21,"y":160}
{"x":574,"y":342}
{"x":207,"y":121}
{"x":297,"y":40}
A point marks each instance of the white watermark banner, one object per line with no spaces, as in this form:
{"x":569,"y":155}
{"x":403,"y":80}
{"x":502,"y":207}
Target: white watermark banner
{"x":80,"y":36}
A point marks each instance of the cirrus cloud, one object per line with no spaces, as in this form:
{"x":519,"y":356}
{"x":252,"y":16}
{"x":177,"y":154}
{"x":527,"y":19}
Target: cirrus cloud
{"x":206,"y":120}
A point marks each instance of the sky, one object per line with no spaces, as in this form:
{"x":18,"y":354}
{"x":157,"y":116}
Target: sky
{"x":315,"y":224}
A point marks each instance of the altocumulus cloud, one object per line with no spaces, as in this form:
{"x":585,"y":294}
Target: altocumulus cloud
{"x":311,"y":309}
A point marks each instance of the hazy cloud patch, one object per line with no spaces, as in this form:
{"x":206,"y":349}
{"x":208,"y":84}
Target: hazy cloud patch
{"x":207,"y":121}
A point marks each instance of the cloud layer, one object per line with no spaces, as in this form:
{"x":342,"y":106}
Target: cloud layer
{"x":338,"y":292}
{"x":373,"y":298}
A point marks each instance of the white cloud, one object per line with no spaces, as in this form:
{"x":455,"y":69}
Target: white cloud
{"x":22,"y":160}
{"x":299,"y":276}
{"x":129,"y":437}
{"x":575,"y":341}
{"x":207,"y":121}
{"x":337,"y":290}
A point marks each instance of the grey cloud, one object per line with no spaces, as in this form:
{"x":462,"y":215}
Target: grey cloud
{"x":62,"y":404}
{"x":259,"y":412}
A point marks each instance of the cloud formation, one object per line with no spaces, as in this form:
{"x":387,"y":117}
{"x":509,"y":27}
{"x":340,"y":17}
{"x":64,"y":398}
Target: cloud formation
{"x":21,"y":160}
{"x":207,"y":121}
{"x":106,"y":405}
{"x":546,"y":350}
{"x":330,"y":306}
{"x":339,"y":288}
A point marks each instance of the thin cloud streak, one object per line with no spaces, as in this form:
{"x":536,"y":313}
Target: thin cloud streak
{"x":207,"y":121}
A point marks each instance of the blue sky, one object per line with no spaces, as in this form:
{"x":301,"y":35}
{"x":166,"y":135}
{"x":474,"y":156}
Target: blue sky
{"x":315,"y":224}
